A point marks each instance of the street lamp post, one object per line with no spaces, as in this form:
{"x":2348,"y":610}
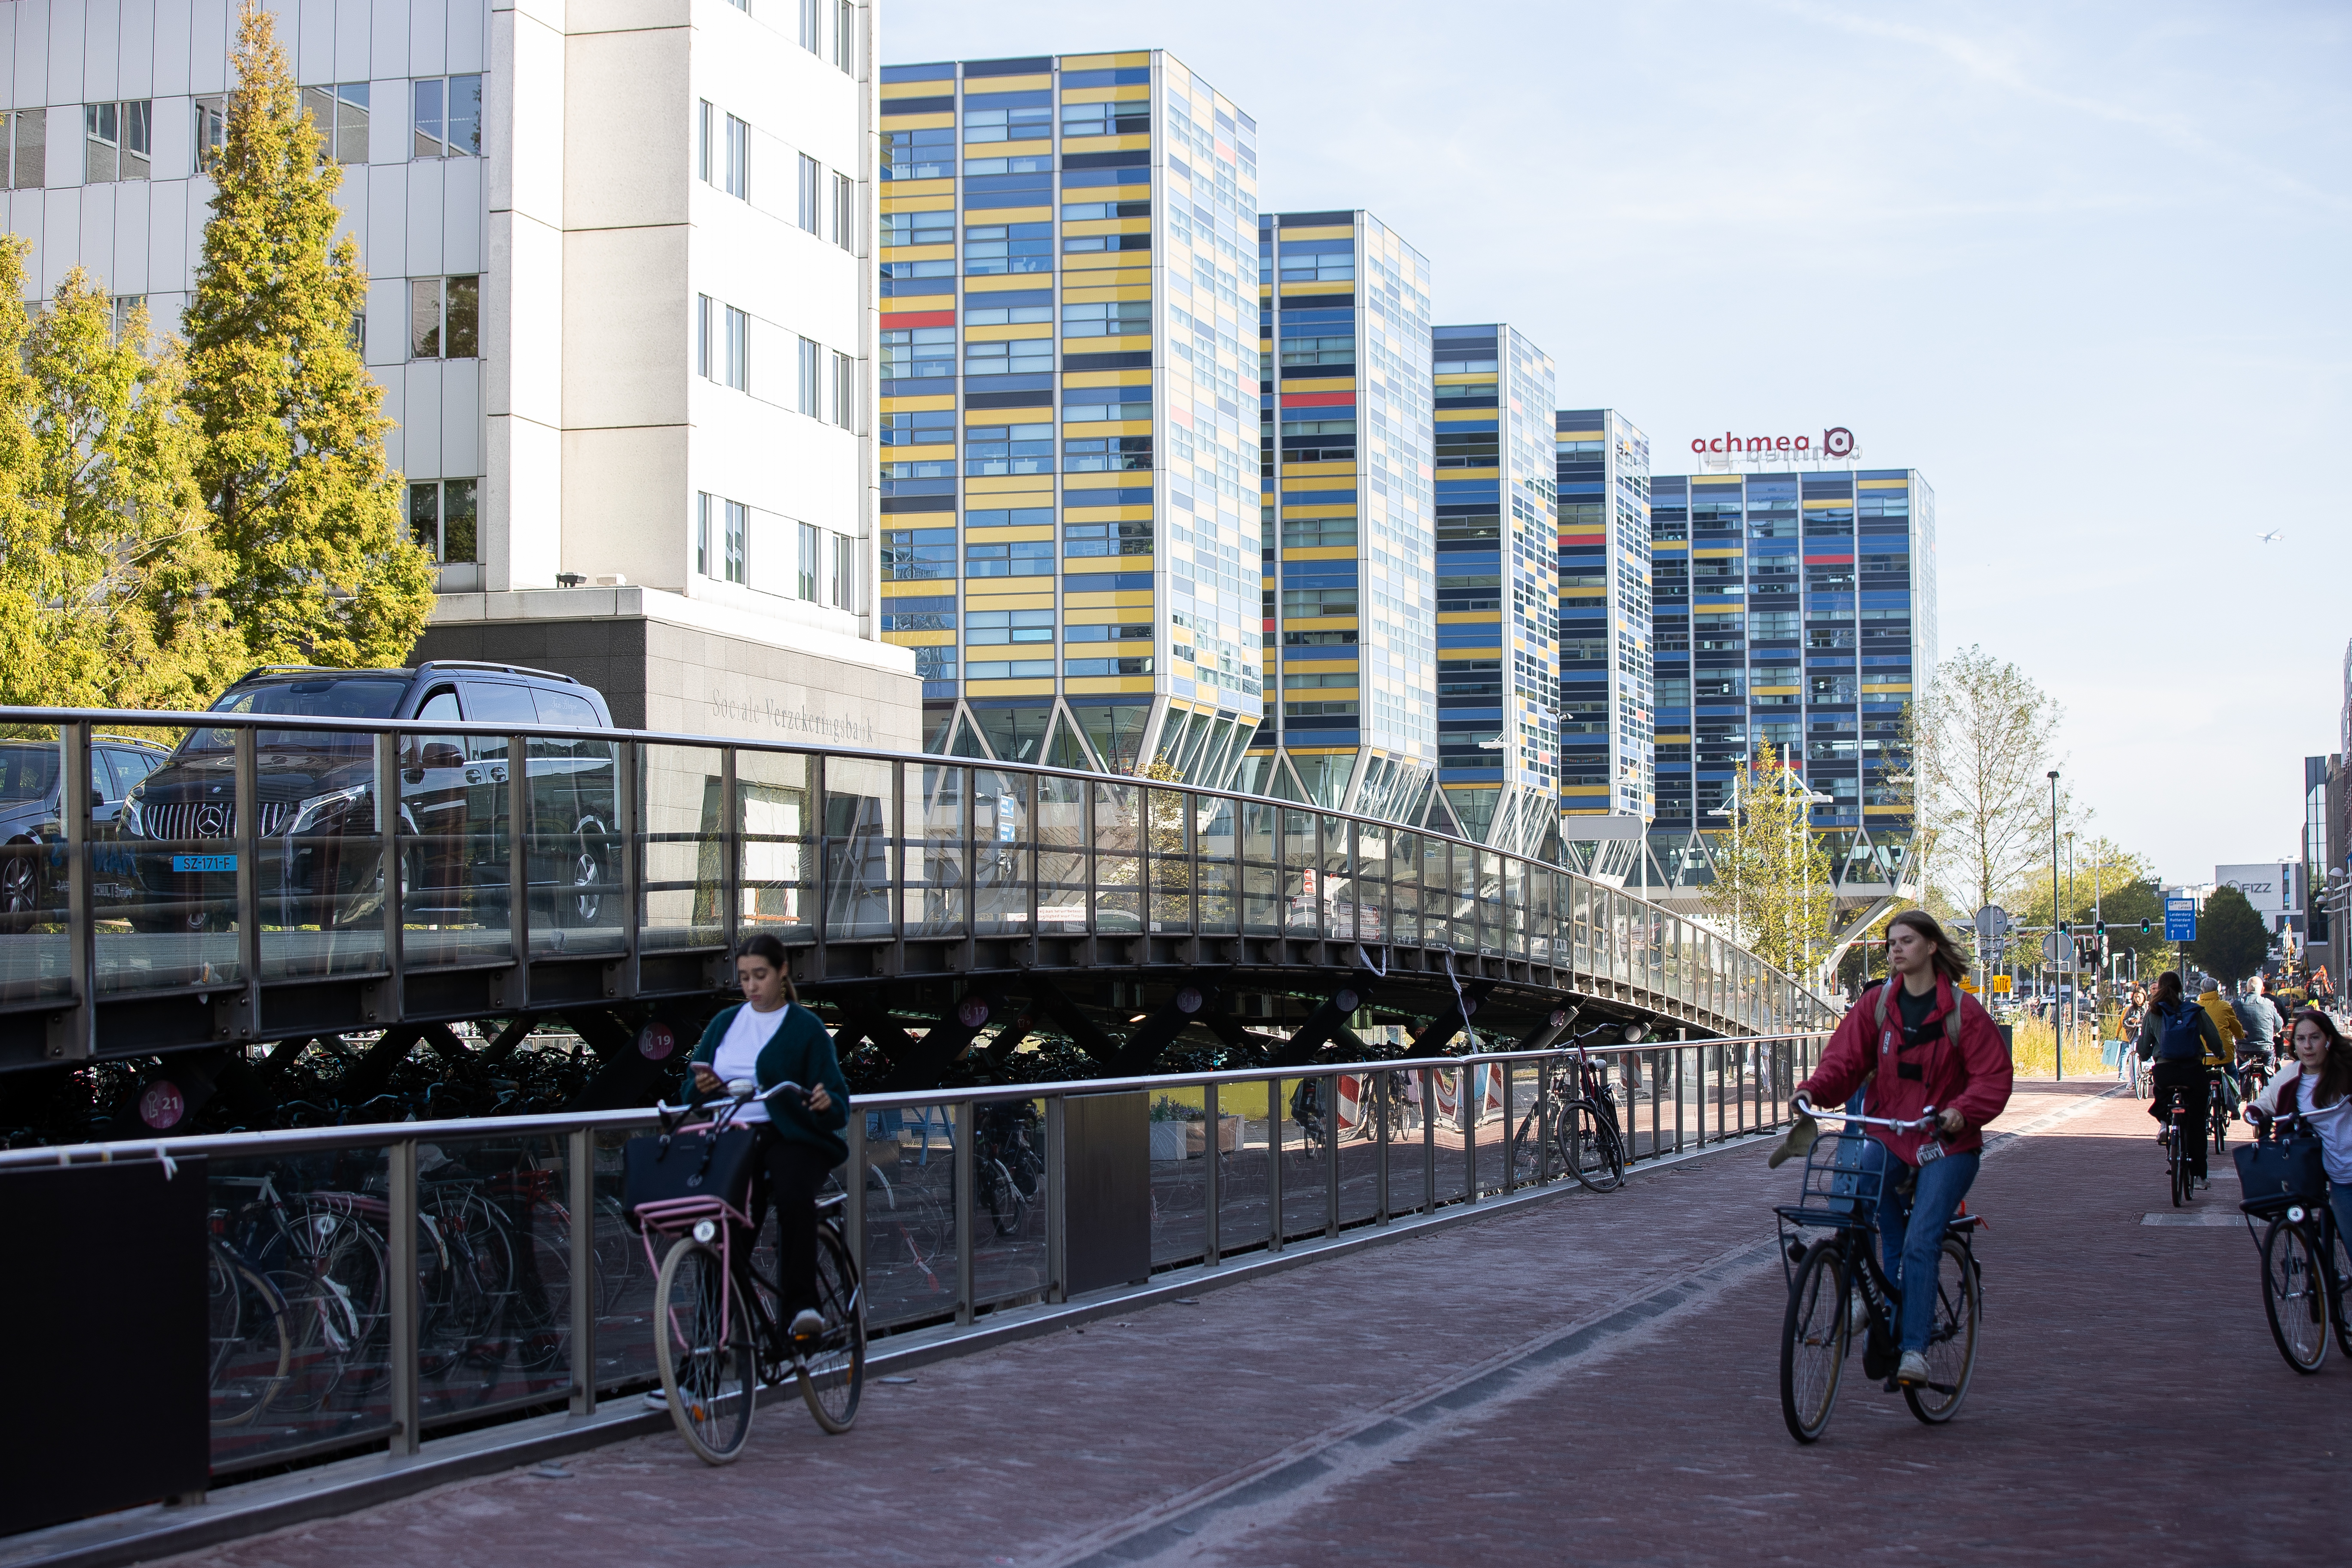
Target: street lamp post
{"x":2068,"y":954}
{"x":2059,"y":1054}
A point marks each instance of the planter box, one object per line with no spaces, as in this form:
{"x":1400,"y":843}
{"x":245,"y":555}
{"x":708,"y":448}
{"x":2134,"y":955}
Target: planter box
{"x":1167,"y":1139}
{"x":1196,"y":1136}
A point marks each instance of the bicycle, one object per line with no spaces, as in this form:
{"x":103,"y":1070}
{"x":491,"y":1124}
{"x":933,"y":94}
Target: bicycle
{"x":717,"y":1335}
{"x":2303,"y":1296}
{"x":1585,"y":1141}
{"x":1837,"y":1288}
{"x":2217,"y":1109}
{"x":2179,"y":1175}
{"x":1005,"y":1168}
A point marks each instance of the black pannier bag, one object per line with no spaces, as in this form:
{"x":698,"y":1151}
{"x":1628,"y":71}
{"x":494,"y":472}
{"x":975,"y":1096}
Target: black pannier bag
{"x":686,"y":1165}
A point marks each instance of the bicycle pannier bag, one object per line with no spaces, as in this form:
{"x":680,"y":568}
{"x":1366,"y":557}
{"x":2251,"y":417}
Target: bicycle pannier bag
{"x":686,"y":1165}
{"x":2274,"y":1171}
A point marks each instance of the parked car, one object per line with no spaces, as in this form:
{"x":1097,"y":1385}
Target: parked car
{"x":316,"y":791}
{"x":32,"y":826}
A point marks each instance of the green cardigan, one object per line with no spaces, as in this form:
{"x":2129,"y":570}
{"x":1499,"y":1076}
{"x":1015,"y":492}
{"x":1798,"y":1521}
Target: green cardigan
{"x":800,"y":1052}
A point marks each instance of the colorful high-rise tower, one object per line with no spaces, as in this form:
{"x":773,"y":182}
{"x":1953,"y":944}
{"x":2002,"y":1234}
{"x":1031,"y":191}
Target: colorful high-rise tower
{"x":1498,"y":585}
{"x":1605,"y":715}
{"x":1068,"y":408}
{"x":1345,"y":516}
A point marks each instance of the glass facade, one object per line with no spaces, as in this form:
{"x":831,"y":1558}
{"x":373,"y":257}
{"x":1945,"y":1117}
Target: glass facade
{"x":1067,"y":410}
{"x":1498,"y":585}
{"x":1791,"y":609}
{"x":1605,"y":654}
{"x":1345,"y":517}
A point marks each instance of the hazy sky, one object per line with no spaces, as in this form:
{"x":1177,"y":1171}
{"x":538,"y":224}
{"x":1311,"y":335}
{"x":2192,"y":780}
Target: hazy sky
{"x":2083,"y":265}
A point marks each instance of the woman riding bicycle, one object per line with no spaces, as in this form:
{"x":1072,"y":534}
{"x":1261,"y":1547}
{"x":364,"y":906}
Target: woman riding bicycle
{"x":2179,"y":1037}
{"x":772,"y":1039}
{"x":1920,"y":1045}
{"x":2317,"y":1087}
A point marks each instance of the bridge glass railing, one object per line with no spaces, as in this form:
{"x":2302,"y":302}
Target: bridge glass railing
{"x":378,"y":1284}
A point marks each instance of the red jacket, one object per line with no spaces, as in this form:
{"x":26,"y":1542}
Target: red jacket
{"x":1972,"y":1074}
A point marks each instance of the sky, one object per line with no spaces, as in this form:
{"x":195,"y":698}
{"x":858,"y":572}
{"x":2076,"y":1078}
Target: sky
{"x":2083,"y":265}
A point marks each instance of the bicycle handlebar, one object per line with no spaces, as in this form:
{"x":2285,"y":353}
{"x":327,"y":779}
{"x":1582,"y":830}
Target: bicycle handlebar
{"x":1923,"y":1124}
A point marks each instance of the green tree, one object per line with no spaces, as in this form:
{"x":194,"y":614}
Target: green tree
{"x":1771,"y":877}
{"x":2232,"y":939}
{"x":322,"y":571}
{"x":106,"y":585}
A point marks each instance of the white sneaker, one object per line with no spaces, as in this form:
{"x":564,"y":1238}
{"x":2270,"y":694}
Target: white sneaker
{"x":1858,"y":1318}
{"x":1912,"y":1368}
{"x":807,"y":1324}
{"x":657,"y":1400}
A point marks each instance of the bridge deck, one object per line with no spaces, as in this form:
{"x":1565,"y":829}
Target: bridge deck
{"x":1591,"y":1379}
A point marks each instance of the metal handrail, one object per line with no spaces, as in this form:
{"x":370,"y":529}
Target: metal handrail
{"x":1740,"y":989}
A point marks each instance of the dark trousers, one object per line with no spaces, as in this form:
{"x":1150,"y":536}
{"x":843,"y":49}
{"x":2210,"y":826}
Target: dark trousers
{"x":790,"y":1173}
{"x":2188,"y":1076}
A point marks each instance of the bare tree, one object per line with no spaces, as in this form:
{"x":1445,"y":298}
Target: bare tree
{"x":1983,"y":756}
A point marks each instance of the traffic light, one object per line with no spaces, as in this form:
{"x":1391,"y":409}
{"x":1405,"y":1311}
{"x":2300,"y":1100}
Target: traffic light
{"x":2145,"y":926}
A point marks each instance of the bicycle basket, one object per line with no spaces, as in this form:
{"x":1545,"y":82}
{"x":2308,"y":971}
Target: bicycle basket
{"x":2280,"y":1170}
{"x":686,"y":1165}
{"x":1839,"y":1187}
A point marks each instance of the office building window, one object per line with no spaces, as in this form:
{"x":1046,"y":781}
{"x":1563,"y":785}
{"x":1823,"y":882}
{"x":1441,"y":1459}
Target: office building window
{"x":811,"y":198}
{"x":1019,"y":356}
{"x":845,"y":573}
{"x":739,"y":349}
{"x":706,"y":153}
{"x":24,"y":148}
{"x":739,"y":158}
{"x":842,"y":395}
{"x":811,"y":388}
{"x":810,"y":12}
{"x":117,"y":140}
{"x":211,"y":133}
{"x":125,"y":307}
{"x":810,"y":561}
{"x":844,"y":36}
{"x":844,"y":212}
{"x":702,"y":532}
{"x":917,"y":351}
{"x":739,"y":543}
{"x":341,"y":114}
{"x":441,"y":518}
{"x":448,"y":117}
{"x":705,"y":308}
{"x":444,"y":317}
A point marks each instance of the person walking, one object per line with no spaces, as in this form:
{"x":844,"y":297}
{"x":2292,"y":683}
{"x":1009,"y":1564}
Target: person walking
{"x":1919,"y":1045}
{"x":2176,"y":1037}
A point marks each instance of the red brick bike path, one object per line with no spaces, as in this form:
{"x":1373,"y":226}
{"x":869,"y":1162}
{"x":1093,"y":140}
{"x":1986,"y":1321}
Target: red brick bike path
{"x":1592,"y":1380}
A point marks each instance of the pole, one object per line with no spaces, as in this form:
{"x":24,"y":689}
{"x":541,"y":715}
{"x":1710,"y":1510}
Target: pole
{"x":2060,"y":1055}
{"x":2070,"y":953}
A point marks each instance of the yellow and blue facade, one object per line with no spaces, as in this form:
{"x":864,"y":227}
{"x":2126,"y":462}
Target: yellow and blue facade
{"x":1797,"y":610}
{"x":1498,"y":585}
{"x":1067,"y":405}
{"x":1346,"y":517}
{"x":1607,"y":735}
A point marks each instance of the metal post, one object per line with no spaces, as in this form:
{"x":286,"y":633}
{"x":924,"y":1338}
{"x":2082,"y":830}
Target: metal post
{"x":1510,"y":1130}
{"x":730,"y":857}
{"x":1380,"y":1098}
{"x":853,"y":1187}
{"x":1057,"y":1230}
{"x":1209,"y":1170}
{"x":580,"y":1156}
{"x":2060,"y":1055}
{"x":1466,"y":1096}
{"x":400,"y":1176}
{"x":73,"y":1031}
{"x":1429,"y":1140}
{"x":248,"y":885}
{"x":519,"y":826}
{"x":1274,"y":1163}
{"x":627,"y":760}
{"x":1543,"y":1123}
{"x":387,"y":827}
{"x":1330,"y":1134}
{"x":1657,"y":1075}
{"x":962,"y":1131}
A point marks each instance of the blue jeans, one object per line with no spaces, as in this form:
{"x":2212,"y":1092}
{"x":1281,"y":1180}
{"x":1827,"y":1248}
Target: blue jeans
{"x":1912,"y":1232}
{"x":2339,"y":1198}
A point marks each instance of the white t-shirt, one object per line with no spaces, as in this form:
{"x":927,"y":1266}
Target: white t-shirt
{"x":738,"y":1053}
{"x":2334,"y":1125}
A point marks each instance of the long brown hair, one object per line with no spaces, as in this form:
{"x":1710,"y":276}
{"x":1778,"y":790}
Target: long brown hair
{"x":1947,"y":961}
{"x":2168,"y":988}
{"x":2336,"y":1072}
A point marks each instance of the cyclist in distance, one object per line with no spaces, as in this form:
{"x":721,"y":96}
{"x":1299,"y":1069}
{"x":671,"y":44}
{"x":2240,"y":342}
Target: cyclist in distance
{"x":770,"y":1038}
{"x":2260,"y":1016}
{"x":2180,"y":1038}
{"x":2317,"y":1086}
{"x":1915,"y":1042}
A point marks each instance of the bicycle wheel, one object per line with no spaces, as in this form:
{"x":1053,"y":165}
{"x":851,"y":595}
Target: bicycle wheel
{"x":999,"y":1197}
{"x":1590,"y":1145}
{"x":702,"y":1345}
{"x":251,"y":1349}
{"x":833,"y":1373}
{"x":1952,"y":1338}
{"x":2295,"y":1295}
{"x":1812,"y":1342}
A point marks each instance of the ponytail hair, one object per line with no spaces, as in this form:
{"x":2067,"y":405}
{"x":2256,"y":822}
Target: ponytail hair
{"x":767,"y":949}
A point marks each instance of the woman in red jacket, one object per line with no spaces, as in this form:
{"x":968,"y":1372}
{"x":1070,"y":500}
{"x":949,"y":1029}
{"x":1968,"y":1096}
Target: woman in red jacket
{"x":1917,"y":1042}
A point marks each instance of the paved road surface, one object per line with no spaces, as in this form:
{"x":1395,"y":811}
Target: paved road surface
{"x":1591,"y":1382}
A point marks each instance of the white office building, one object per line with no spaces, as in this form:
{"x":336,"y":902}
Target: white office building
{"x":622,"y":305}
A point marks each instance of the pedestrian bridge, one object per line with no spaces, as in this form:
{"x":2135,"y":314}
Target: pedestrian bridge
{"x":276,"y":881}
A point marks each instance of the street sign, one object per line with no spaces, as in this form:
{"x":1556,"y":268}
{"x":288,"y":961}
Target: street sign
{"x":2179,"y":918}
{"x":2058,"y":948}
{"x":1992,"y":921}
{"x":2001,"y":985}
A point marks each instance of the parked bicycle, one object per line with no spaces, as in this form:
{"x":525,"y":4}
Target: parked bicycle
{"x":1837,"y":1288}
{"x":719,"y":1337}
{"x":1583,"y":1141}
{"x":1006,"y":1166}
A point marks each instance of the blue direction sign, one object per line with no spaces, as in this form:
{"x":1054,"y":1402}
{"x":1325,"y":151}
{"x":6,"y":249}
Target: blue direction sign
{"x":2179,"y":920}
